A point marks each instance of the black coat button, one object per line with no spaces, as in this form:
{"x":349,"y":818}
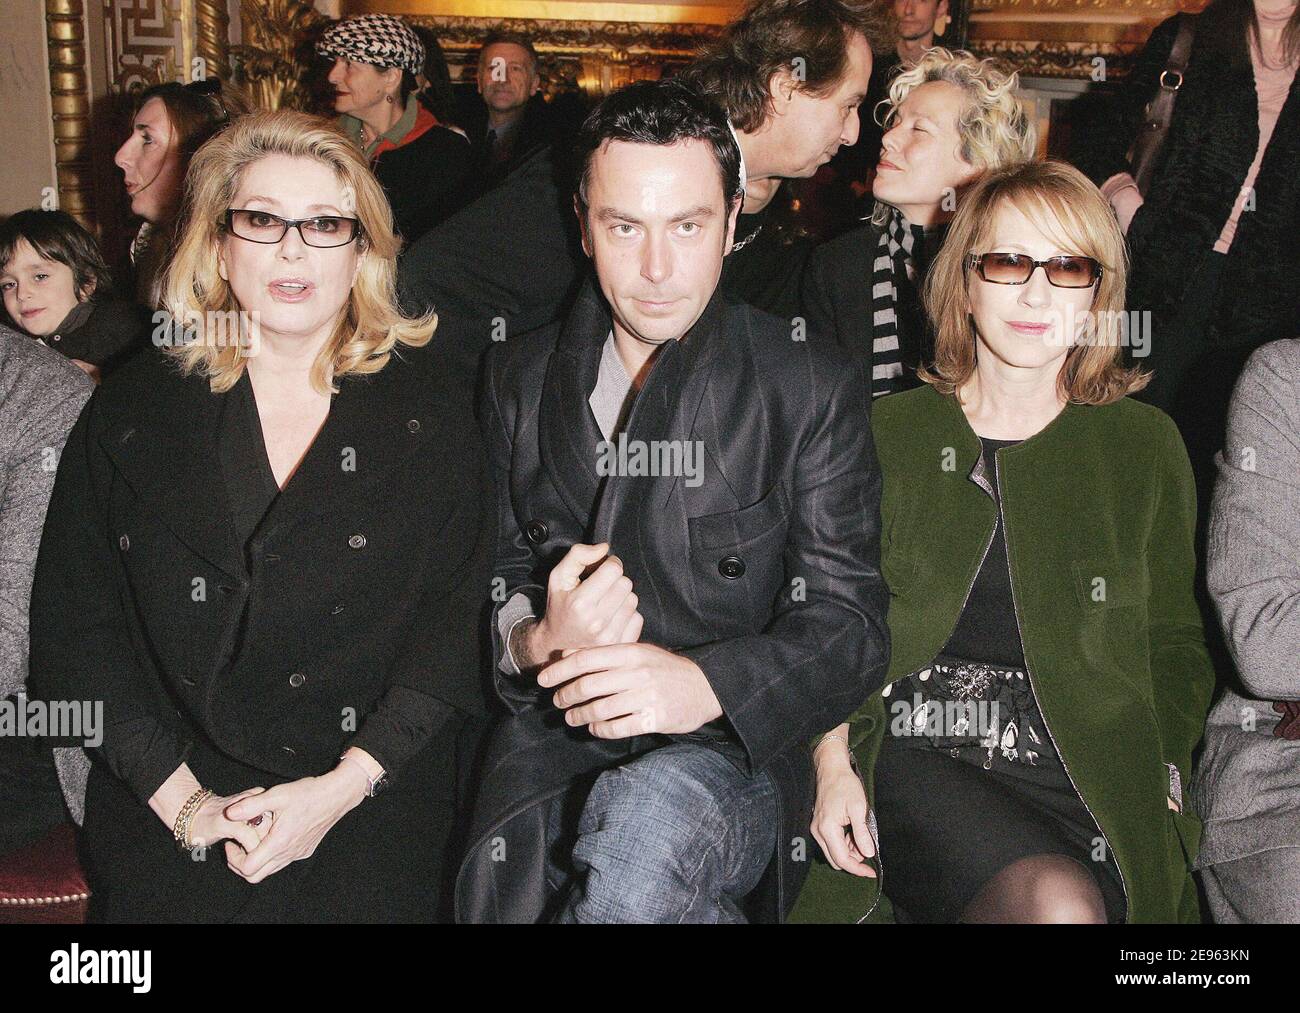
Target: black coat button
{"x":297,"y":679}
{"x":731,"y":567}
{"x":537,"y":532}
{"x":124,"y":543}
{"x":357,"y":542}
{"x":413,"y":425}
{"x":290,"y":750}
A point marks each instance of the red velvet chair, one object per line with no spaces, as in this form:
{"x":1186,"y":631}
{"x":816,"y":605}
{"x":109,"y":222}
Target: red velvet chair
{"x":43,"y":882}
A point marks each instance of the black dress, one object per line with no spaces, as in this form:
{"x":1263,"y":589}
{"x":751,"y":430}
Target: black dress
{"x":382,"y":862}
{"x":968,"y":779}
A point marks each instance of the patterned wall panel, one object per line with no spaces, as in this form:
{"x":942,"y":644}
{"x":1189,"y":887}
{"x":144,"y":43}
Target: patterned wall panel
{"x":146,"y":44}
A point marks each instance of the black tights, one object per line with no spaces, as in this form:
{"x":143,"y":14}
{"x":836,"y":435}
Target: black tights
{"x":1036,"y":890}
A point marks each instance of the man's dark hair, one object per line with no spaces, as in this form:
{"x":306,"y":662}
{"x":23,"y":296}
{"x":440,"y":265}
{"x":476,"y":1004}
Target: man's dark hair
{"x":659,"y":112}
{"x":56,"y":235}
{"x":514,"y":38}
{"x":771,"y":35}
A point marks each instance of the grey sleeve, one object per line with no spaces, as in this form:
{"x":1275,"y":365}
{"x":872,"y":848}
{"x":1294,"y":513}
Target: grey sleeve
{"x":514,"y":611}
{"x":35,"y":432}
{"x":1254,"y":547}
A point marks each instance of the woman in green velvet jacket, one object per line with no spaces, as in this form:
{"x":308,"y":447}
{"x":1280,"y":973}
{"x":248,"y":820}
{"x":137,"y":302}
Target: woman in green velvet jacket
{"x":1038,"y":545}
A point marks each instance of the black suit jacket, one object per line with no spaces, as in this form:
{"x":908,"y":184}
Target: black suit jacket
{"x":766,"y":573}
{"x":836,"y":300}
{"x":537,"y":127}
{"x":364,"y":584}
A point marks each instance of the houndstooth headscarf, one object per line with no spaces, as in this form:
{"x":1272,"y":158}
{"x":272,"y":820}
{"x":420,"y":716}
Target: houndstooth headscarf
{"x":378,"y":39}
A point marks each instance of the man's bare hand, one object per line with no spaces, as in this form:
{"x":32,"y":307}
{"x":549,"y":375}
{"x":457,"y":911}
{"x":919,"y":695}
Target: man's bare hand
{"x":594,"y":610}
{"x":631,"y":689}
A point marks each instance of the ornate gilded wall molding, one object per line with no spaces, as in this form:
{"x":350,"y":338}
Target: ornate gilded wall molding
{"x":705,"y":13}
{"x":145,"y":41}
{"x":70,"y":100}
{"x":1060,"y":59}
{"x":1065,"y":38}
{"x":212,"y":36}
{"x":593,"y":56}
{"x":271,"y":64}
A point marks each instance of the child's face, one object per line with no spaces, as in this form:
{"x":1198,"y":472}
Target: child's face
{"x":38,"y":293}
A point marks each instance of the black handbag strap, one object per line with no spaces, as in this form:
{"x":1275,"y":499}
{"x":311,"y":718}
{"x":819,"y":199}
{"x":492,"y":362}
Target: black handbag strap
{"x":1145,"y":152}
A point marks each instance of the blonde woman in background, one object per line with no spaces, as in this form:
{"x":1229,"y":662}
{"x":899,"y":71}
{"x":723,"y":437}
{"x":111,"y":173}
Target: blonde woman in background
{"x":266,"y":554}
{"x":949,"y":118}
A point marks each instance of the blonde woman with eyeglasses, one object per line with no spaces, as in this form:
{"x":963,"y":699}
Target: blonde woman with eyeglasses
{"x":266,"y":555}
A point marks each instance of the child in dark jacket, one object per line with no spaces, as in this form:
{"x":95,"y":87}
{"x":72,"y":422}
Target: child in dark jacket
{"x":56,"y":288}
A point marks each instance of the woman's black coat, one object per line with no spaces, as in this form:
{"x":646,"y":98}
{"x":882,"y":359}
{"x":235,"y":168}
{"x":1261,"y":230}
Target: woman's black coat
{"x":364,"y":590}
{"x":1212,"y":141}
{"x":837,"y":304}
{"x":424,"y":179}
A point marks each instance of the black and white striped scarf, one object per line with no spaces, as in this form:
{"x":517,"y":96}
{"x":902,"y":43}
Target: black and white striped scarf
{"x":893,"y":253}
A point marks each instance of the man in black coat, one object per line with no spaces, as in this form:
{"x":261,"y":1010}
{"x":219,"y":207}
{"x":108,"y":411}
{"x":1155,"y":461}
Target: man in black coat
{"x":512,"y":262}
{"x":505,"y":114}
{"x":688,"y":564}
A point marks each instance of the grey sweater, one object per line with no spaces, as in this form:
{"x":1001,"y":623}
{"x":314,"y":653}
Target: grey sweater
{"x":41,"y":395}
{"x":1247,"y":784}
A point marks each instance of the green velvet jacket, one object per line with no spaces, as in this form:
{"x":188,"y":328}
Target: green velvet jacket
{"x":1099,"y":513}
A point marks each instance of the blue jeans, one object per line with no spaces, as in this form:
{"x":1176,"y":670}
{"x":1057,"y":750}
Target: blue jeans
{"x":677,"y":835}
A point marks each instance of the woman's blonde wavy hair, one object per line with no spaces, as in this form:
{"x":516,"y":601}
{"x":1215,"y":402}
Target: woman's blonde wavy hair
{"x":371,"y":324}
{"x":1068,"y":209}
{"x":994,"y":128}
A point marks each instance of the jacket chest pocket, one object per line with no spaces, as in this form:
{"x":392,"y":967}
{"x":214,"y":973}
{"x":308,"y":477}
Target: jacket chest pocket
{"x":737,"y":557}
{"x":1104,"y":583}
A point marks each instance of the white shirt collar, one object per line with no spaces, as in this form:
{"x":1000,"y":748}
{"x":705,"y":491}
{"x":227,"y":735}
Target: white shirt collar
{"x":744,"y":176}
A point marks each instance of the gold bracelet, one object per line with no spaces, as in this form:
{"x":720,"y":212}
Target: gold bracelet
{"x":181,"y":828}
{"x":832,"y":735}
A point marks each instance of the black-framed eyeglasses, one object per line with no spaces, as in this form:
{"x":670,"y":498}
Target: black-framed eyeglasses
{"x":263,"y":227}
{"x":1018,"y":268}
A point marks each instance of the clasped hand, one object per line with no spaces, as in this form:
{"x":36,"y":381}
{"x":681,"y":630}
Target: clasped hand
{"x":265,"y":829}
{"x":588,"y":645}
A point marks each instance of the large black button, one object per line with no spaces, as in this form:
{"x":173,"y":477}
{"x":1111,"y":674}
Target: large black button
{"x":413,"y":425}
{"x":297,"y":679}
{"x":731,"y":567}
{"x":124,"y":543}
{"x":537,"y":532}
{"x":356,"y":541}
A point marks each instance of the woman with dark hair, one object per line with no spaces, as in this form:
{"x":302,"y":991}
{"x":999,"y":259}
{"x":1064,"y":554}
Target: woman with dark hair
{"x":56,"y":288}
{"x":170,"y":123}
{"x":420,"y":163}
{"x":435,"y":81}
{"x":1213,"y":240}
